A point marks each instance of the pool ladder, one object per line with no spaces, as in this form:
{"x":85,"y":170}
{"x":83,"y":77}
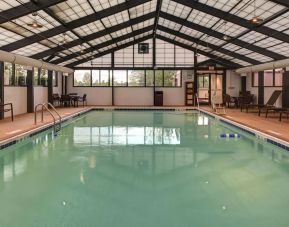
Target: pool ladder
{"x":45,"y":106}
{"x":198,"y":104}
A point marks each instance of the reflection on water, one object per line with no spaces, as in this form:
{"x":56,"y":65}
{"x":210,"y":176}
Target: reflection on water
{"x":119,"y":135}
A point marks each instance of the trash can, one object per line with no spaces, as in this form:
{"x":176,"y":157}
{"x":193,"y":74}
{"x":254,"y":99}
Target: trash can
{"x":158,"y":99}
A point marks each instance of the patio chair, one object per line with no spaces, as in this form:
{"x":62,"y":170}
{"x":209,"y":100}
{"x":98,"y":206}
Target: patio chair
{"x":83,"y":99}
{"x":228,"y":100}
{"x":6,"y":107}
{"x":65,"y":100}
{"x":56,"y":99}
{"x":217,"y":104}
{"x":270,"y":103}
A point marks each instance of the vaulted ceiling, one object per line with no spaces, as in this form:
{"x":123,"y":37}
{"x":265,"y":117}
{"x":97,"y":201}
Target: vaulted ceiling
{"x":76,"y":30}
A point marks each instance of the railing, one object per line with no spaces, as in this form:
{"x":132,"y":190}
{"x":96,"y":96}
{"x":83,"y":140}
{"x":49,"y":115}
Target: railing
{"x":45,"y":106}
{"x":198,"y":103}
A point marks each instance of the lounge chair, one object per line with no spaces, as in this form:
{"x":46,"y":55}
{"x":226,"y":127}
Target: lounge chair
{"x":228,"y":100}
{"x":217,"y":104}
{"x":6,"y":107}
{"x":270,"y":103}
{"x":56,"y":99}
{"x":83,"y":99}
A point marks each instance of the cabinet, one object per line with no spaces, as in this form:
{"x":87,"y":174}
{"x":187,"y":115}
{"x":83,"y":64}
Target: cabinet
{"x":189,"y":93}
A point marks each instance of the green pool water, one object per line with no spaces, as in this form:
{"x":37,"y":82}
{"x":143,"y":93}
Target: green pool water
{"x":144,"y":169}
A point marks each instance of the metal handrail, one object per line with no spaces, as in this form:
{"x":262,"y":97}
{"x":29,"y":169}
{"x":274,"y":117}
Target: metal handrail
{"x":43,"y":105}
{"x":198,"y":103}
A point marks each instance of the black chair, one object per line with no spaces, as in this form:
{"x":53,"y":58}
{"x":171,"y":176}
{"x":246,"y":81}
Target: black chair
{"x":65,"y":100}
{"x":56,"y":99}
{"x":228,"y":100}
{"x":6,"y":107}
{"x":83,"y":100}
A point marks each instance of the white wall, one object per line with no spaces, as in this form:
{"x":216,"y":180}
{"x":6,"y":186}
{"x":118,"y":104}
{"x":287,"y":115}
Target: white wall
{"x":233,"y":82}
{"x":132,"y":96}
{"x":40,"y":95}
{"x":18,"y":97}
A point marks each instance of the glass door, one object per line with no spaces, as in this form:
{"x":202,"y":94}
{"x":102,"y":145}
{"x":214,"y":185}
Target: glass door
{"x":204,"y":88}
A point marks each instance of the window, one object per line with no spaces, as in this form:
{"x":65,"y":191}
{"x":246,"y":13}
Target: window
{"x":172,"y":78}
{"x":100,"y":78}
{"x":159,"y":79}
{"x":278,"y":78}
{"x":44,"y":77}
{"x":203,"y":81}
{"x":82,"y":78}
{"x":268,"y":78}
{"x":119,"y":78}
{"x":149,"y":78}
{"x":136,"y":78}
{"x":36,"y":76}
{"x":8,"y":73}
{"x":20,"y":75}
{"x":55,"y":79}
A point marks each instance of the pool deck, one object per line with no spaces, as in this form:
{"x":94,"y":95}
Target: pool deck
{"x":25,"y":122}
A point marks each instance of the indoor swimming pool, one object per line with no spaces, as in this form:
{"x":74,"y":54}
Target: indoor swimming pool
{"x":144,"y":169}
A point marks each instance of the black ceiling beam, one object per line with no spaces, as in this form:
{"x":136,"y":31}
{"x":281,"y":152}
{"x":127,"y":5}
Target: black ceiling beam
{"x":72,"y":25}
{"x":73,"y":64}
{"x":25,"y":9}
{"x":104,"y":44}
{"x":281,"y":2}
{"x":210,"y":45}
{"x":219,"y":35}
{"x":93,"y":36}
{"x":213,"y":57}
{"x":235,"y":19}
{"x":158,"y":9}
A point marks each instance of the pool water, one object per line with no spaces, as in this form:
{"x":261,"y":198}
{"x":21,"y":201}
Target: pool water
{"x":136,"y":169}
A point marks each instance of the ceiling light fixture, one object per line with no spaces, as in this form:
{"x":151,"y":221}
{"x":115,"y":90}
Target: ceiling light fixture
{"x":255,"y":20}
{"x":34,"y":23}
{"x":225,"y":37}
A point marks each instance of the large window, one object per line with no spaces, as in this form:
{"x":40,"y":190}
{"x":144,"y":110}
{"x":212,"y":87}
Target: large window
{"x":136,"y":78}
{"x":159,"y":78}
{"x":100,"y":77}
{"x":268,"y":78}
{"x":149,"y":78}
{"x":128,"y":78}
{"x":82,"y":78}
{"x":44,"y":77}
{"x":119,"y":78}
{"x":172,"y":78}
{"x":20,"y":75}
{"x":8,"y":73}
{"x":36,"y":80}
{"x":203,"y":81}
{"x":272,"y":78}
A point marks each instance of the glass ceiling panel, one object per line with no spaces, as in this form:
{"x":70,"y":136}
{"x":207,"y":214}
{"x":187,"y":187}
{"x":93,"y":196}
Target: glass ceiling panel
{"x":7,"y":37}
{"x":72,"y":10}
{"x":30,"y":49}
{"x":191,"y":32}
{"x":175,"y":9}
{"x":184,"y":41}
{"x":143,"y":9}
{"x":116,"y":19}
{"x":169,"y":24}
{"x":100,"y":40}
{"x":282,"y":48}
{"x":264,"y":9}
{"x":202,"y":19}
{"x":252,"y":37}
{"x":167,"y":35}
{"x":240,"y":62}
{"x":224,"y":5}
{"x":42,"y":18}
{"x":143,"y":24}
{"x":121,"y":32}
{"x":8,"y":4}
{"x":89,"y":28}
{"x":268,"y":42}
{"x":104,"y":4}
{"x":63,"y":38}
{"x":281,"y":23}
